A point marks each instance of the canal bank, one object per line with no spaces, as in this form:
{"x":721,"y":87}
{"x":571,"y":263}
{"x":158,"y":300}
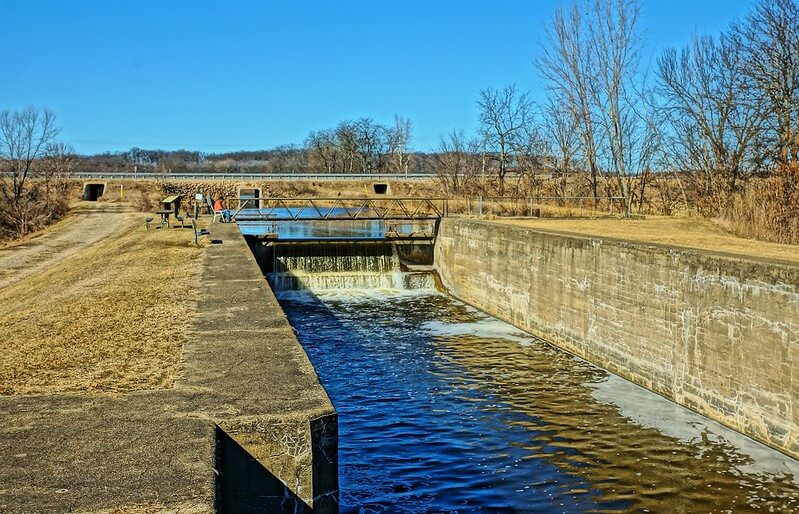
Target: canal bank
{"x":245,"y":427}
{"x":714,"y":333}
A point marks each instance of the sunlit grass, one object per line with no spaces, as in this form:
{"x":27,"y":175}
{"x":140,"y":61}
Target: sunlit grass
{"x":110,"y":319}
{"x":684,"y":232}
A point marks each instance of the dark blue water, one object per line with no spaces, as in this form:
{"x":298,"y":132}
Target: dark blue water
{"x":317,"y":229}
{"x":444,"y":409}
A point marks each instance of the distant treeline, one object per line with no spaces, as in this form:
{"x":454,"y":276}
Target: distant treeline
{"x":359,"y":146}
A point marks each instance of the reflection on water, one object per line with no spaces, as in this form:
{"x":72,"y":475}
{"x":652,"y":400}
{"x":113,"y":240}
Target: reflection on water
{"x":298,"y":230}
{"x":444,"y":409}
{"x":309,"y":224}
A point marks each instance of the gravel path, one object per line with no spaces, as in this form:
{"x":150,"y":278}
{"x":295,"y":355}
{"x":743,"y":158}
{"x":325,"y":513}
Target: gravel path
{"x":88,"y":223}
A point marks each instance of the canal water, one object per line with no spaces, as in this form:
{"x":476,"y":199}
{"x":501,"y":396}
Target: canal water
{"x":443,"y":408}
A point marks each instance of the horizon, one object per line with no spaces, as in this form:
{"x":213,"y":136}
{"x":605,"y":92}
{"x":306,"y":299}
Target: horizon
{"x":186,"y":76}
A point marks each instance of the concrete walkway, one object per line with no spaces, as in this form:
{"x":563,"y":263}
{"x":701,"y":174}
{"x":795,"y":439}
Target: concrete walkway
{"x":247,"y":427}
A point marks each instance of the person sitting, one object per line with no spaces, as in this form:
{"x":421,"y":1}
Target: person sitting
{"x":219,"y":208}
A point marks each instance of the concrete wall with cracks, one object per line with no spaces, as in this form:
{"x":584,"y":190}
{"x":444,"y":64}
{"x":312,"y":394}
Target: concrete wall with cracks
{"x":717,"y":334}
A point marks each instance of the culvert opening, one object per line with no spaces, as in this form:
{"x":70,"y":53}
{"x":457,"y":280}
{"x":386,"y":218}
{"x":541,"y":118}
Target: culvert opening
{"x":92,"y":191}
{"x":380,"y":188}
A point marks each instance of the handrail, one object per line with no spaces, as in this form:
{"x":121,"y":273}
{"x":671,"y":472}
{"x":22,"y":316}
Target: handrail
{"x":343,"y":208}
{"x":533,"y":200}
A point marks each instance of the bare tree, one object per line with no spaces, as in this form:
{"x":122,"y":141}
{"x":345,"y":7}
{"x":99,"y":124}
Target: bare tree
{"x":24,"y":139}
{"x":324,"y":150}
{"x":456,"y":162}
{"x":347,"y":141}
{"x":592,"y":63}
{"x":57,"y":167}
{"x":505,"y":115}
{"x":371,"y":144}
{"x":615,"y":40}
{"x":716,"y":116}
{"x":529,"y":150}
{"x":567,"y":65}
{"x":399,"y":138}
{"x":561,"y":131}
{"x":770,"y":37}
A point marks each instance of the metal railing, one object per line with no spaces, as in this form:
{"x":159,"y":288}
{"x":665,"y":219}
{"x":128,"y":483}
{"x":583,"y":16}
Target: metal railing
{"x":311,"y":209}
{"x":196,"y":175}
{"x":530,"y":206}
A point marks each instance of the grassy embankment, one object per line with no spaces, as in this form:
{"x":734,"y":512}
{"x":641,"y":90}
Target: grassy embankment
{"x":693,"y":233}
{"x":110,"y":318}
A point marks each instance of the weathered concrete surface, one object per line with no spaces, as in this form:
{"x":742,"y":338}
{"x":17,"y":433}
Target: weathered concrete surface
{"x":719,"y":335}
{"x":256,"y":381}
{"x":247,"y":427}
{"x":81,"y":454}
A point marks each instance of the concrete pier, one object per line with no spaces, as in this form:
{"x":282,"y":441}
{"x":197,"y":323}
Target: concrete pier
{"x":247,"y":427}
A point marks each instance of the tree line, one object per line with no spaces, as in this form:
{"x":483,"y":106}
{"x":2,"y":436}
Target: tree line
{"x":357,"y":146}
{"x":690,"y":131}
{"x":34,"y":171}
{"x":711,"y":115}
{"x":721,"y":110}
{"x":697,"y":127}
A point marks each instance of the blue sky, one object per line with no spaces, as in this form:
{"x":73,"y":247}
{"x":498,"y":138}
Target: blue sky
{"x":219,"y":76}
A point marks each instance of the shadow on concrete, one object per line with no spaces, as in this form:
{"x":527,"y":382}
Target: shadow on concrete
{"x":244,"y":485}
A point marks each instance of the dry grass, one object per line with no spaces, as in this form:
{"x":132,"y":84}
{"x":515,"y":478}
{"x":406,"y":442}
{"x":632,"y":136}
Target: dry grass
{"x":109,"y":319}
{"x":152,"y":508}
{"x":683,"y":232}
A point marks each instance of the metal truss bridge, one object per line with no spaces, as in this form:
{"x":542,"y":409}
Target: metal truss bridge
{"x":337,"y":219}
{"x":341,"y":209}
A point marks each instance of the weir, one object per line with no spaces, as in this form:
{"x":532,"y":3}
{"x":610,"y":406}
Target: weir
{"x":342,"y":266}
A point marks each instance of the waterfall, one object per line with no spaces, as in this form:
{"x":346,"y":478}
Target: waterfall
{"x":342,"y":266}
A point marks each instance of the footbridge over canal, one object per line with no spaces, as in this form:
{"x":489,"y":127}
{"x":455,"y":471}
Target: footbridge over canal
{"x":342,"y":219}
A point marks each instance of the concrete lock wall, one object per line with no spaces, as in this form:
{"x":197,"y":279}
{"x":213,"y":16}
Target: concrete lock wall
{"x":717,"y":334}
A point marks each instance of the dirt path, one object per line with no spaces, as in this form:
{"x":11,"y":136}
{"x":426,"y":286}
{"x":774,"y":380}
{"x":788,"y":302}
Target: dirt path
{"x":87,"y":223}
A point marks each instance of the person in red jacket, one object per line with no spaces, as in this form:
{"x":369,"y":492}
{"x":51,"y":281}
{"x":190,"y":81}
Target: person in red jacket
{"x":219,"y":208}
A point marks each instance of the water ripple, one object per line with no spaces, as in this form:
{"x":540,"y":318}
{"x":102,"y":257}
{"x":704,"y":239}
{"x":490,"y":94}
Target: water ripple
{"x":444,"y":409}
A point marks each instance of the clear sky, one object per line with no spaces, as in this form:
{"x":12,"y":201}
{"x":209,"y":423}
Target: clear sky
{"x":224,"y":75}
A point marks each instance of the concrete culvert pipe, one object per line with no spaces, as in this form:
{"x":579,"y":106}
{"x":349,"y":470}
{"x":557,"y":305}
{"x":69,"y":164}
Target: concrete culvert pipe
{"x":92,"y":191}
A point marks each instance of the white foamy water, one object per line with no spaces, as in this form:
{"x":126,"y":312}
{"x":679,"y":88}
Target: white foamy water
{"x":343,"y":267}
{"x":353,"y":295}
{"x":351,"y":281}
{"x":486,"y":328}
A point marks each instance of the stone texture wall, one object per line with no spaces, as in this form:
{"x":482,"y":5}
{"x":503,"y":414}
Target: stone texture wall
{"x":716,"y":334}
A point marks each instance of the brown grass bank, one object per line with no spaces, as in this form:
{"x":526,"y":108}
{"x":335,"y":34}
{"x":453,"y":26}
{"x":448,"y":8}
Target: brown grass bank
{"x":693,"y":233}
{"x":108,"y":319}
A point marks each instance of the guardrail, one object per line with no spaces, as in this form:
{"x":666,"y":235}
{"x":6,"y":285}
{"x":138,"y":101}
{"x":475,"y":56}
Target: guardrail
{"x":528,"y":205}
{"x":117,"y":175}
